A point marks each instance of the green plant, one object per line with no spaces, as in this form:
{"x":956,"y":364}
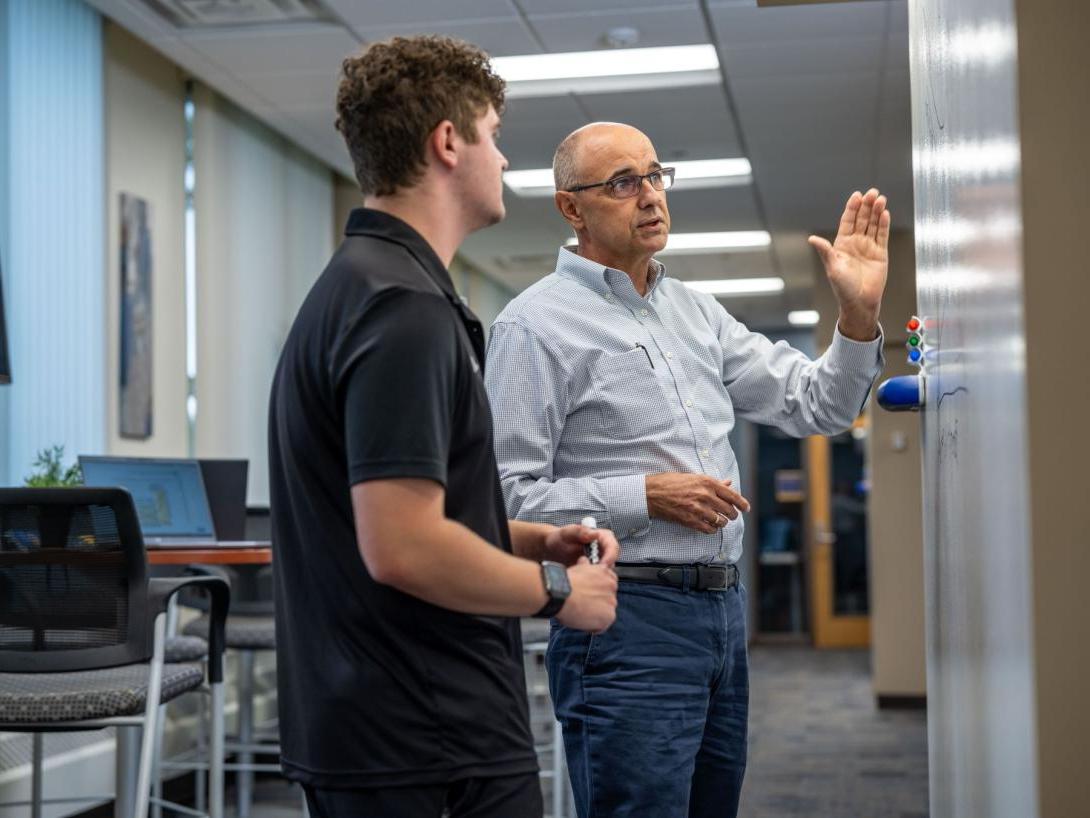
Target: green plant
{"x":49,"y":470}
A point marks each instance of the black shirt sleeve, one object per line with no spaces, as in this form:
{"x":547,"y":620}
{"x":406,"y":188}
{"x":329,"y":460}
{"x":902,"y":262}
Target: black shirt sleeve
{"x":395,"y":369}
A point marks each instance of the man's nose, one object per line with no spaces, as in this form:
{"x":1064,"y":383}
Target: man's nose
{"x":648,"y":195}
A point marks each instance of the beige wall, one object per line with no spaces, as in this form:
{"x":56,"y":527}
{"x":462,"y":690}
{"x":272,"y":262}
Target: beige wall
{"x":1054,"y":118}
{"x":484,"y":295}
{"x":264,"y":233}
{"x":145,"y":156}
{"x":346,"y":197}
{"x":894,"y":511}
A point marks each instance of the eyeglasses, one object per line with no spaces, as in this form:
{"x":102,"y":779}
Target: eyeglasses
{"x":625,"y":187}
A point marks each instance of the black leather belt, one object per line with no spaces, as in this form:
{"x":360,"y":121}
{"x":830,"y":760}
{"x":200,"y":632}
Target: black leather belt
{"x":701,"y":577}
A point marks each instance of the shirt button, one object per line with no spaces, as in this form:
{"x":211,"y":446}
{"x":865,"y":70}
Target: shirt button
{"x":609,"y":298}
{"x":669,"y":355}
{"x":689,"y":403}
{"x":704,"y":452}
{"x":643,"y":312}
{"x":634,"y":532}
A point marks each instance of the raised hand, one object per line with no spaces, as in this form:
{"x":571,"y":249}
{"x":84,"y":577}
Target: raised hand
{"x":857,"y":262}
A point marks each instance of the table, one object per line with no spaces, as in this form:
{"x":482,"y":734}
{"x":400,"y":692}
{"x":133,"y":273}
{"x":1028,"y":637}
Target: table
{"x":247,"y":552}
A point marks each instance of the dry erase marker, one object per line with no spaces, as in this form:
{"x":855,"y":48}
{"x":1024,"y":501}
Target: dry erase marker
{"x":591,"y":547}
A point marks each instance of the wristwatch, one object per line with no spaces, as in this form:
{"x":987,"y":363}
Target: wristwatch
{"x":554,"y":577}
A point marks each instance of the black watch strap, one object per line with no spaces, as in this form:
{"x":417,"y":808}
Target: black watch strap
{"x":551,"y":608}
{"x":554,"y":577}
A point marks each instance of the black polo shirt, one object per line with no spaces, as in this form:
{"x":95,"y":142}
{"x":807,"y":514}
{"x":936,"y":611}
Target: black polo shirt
{"x":380,"y":377}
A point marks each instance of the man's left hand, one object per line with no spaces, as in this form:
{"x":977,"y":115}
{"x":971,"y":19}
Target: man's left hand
{"x":565,"y":544}
{"x":857,"y":263}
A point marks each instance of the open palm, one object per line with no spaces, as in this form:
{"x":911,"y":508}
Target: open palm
{"x":857,"y":261}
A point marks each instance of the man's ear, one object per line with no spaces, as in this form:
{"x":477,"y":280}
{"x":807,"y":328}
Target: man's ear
{"x":443,"y":143}
{"x":569,"y":208}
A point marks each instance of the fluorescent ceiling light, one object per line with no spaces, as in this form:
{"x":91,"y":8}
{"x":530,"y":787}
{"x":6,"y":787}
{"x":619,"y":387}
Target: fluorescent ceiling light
{"x":625,"y":69}
{"x":738,"y":286}
{"x":694,"y":243}
{"x":693,"y":174}
{"x":803,"y":318}
{"x":532,"y":182}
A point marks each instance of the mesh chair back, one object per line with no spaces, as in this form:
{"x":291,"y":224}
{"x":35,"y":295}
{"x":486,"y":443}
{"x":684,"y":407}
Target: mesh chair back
{"x":73,"y":580}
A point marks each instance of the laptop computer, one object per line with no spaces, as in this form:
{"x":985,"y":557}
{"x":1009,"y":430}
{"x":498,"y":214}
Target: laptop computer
{"x":225,"y":486}
{"x":169,"y":496}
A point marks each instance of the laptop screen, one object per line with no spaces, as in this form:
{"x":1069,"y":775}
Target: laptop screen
{"x":169,"y":495}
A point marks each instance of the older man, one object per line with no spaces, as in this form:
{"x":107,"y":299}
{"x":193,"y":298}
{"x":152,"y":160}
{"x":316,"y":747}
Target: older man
{"x":614,"y":388}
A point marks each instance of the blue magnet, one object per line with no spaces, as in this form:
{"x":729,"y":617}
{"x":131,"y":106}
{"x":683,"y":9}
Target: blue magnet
{"x":905,"y":393}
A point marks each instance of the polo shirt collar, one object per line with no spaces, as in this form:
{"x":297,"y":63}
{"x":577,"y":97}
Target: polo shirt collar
{"x":364,"y":221}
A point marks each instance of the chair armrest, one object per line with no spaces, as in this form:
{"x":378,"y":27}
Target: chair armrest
{"x":161,"y":589}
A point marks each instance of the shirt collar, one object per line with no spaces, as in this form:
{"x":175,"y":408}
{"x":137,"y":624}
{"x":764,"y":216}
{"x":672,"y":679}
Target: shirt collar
{"x":364,"y":221}
{"x":603,"y":280}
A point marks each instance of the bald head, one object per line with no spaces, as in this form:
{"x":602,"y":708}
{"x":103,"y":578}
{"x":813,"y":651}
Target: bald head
{"x":620,"y":230}
{"x":570,"y":157}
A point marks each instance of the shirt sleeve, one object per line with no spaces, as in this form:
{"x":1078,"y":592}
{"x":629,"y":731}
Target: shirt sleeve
{"x":394,"y":369}
{"x":528,"y":425}
{"x":777,"y":385}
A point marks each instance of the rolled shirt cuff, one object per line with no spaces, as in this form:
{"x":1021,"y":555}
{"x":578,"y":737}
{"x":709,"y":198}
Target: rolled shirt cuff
{"x":626,"y":501}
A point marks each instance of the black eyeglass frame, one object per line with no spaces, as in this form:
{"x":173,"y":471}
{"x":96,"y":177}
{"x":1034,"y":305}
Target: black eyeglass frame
{"x":609,"y":184}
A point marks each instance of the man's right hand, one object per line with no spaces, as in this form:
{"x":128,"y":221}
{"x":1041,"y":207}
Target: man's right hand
{"x":592,"y":604}
{"x":694,"y":500}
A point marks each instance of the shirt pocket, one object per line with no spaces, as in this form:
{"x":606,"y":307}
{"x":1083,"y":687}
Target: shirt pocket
{"x":630,"y":401}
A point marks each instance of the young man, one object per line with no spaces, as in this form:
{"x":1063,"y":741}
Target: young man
{"x":638,"y":380}
{"x":401,"y":688}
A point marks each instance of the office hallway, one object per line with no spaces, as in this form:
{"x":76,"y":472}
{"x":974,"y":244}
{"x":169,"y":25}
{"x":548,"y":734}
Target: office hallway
{"x":820,"y":748}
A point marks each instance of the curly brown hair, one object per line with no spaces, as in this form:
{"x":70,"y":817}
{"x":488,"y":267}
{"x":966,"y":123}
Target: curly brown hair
{"x":397,"y":91}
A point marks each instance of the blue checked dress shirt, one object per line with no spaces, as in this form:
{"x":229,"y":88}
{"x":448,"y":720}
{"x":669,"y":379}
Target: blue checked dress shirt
{"x":593,"y":387}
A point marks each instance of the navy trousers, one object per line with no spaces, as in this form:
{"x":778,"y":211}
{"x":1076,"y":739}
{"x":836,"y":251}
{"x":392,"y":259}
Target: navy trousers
{"x":655,"y":710}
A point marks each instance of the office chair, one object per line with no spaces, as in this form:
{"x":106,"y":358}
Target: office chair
{"x":82,"y":634}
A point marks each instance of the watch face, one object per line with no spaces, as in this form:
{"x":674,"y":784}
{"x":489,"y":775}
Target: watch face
{"x":556,"y":579}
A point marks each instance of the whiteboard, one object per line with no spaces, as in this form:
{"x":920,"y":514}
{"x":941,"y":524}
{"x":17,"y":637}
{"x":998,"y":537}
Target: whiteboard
{"x":966,"y":158}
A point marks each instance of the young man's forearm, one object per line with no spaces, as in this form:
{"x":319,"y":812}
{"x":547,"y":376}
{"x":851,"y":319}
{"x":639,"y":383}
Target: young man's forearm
{"x":446,"y":564}
{"x":528,"y":539}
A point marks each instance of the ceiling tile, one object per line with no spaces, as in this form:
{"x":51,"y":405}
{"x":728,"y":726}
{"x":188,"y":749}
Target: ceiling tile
{"x":542,"y":7}
{"x":683,"y":123}
{"x":898,"y":16}
{"x":808,"y":192}
{"x":719,"y":265}
{"x":844,"y":21}
{"x":532,"y":144}
{"x":894,"y":160}
{"x":532,"y":129}
{"x":784,"y":58}
{"x":897,"y":55}
{"x":656,"y":27}
{"x":713,"y":209}
{"x":136,"y":18}
{"x":302,"y":48}
{"x":416,"y":12}
{"x":807,"y":115}
{"x":545,"y":109}
{"x":500,"y":38}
